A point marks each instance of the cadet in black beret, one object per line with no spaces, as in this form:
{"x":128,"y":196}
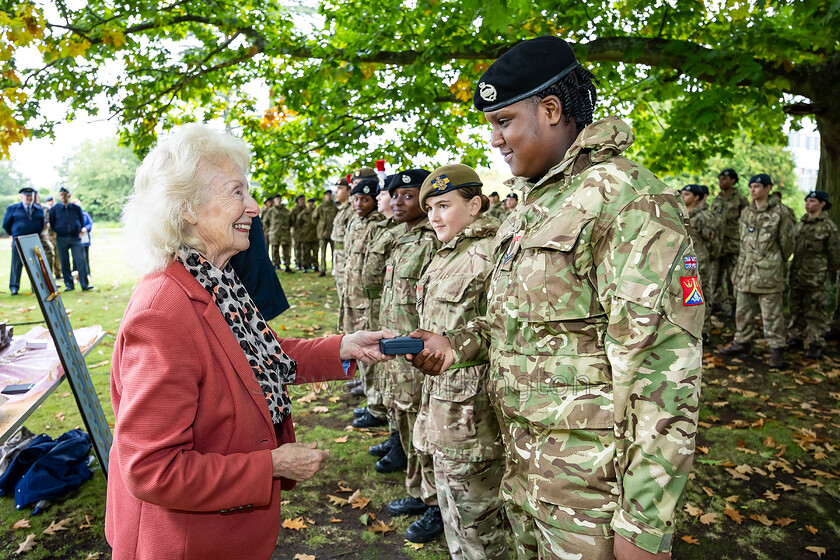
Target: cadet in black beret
{"x":404,"y":190}
{"x":511,"y":200}
{"x":366,"y":187}
{"x":696,"y":190}
{"x":409,"y":178}
{"x":821,"y":196}
{"x":761,"y":178}
{"x":729,"y":172}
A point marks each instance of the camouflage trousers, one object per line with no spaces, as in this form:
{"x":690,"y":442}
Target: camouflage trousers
{"x":50,"y":254}
{"x":772,"y":317}
{"x":354,"y":319}
{"x":719,"y":286}
{"x":835,"y":319}
{"x":707,"y":285}
{"x":468,"y":494}
{"x":807,"y":314}
{"x":537,"y":540}
{"x":420,"y":473}
{"x":323,"y":244}
{"x":54,"y":263}
{"x":287,"y":254}
{"x":297,"y":244}
{"x":310,"y":253}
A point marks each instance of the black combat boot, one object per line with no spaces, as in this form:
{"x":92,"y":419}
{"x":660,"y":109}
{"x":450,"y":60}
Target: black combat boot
{"x":777,"y":358}
{"x":393,"y":461}
{"x":427,"y":528}
{"x":359,"y":411}
{"x":382,"y":449}
{"x":795,"y":344}
{"x":736,"y":349}
{"x":368,"y":420}
{"x":407,"y":506}
{"x":814,"y":352}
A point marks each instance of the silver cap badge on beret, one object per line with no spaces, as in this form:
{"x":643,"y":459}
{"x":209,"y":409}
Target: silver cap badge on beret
{"x":487,"y":91}
{"x":406,"y":179}
{"x":366,"y":189}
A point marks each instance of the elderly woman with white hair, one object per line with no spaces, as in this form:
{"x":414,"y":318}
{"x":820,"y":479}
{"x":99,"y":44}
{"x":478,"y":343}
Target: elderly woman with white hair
{"x":203,"y":439}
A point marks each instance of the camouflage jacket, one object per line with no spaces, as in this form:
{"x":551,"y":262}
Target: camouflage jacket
{"x":340,"y":226}
{"x":305,"y":223}
{"x":704,"y":230}
{"x":265,"y":218}
{"x":293,"y":217}
{"x":817,"y":252}
{"x":373,"y":270}
{"x":356,"y":242}
{"x":498,"y":212}
{"x":408,"y":253}
{"x":456,"y":418}
{"x":280,"y":232}
{"x":767,"y":241}
{"x":728,"y":207}
{"x":593,"y":325}
{"x":323,"y":216}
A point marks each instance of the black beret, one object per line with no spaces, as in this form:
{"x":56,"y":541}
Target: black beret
{"x":513,"y":195}
{"x":384,"y":185}
{"x":64,"y":189}
{"x":822,"y":196}
{"x":311,"y":200}
{"x":409,"y":178}
{"x":523,"y":71}
{"x":729,"y":172}
{"x":27,"y":190}
{"x":366,"y":186}
{"x":695,"y":190}
{"x":494,"y":193}
{"x":762,"y":178}
{"x":705,"y":190}
{"x":328,"y":191}
{"x":298,"y":197}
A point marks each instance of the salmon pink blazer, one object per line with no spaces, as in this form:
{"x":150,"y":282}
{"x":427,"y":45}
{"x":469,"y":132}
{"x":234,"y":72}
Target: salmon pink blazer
{"x":190,"y":467}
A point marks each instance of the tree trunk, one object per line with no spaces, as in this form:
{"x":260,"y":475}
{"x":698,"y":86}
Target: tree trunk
{"x":828,"y":177}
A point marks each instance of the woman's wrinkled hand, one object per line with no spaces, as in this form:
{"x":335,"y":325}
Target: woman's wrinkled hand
{"x":298,"y":461}
{"x":436,"y":356}
{"x":364,"y":346}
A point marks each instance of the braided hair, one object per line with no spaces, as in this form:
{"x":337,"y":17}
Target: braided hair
{"x":576,"y":91}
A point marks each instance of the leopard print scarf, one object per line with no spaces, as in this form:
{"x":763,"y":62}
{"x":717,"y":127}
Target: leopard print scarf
{"x":272,"y":367}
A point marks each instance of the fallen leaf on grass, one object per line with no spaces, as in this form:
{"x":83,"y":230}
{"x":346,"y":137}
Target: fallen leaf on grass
{"x":785,"y":487}
{"x":336,"y":520}
{"x":763,"y":519}
{"x":22,"y":524}
{"x":99,"y":364}
{"x":320,"y":409}
{"x":731,"y":499}
{"x":709,"y":492}
{"x":63,"y":395}
{"x":690,"y":539}
{"x":733,"y":515}
{"x":56,"y":527}
{"x":308,"y":398}
{"x":310,"y":521}
{"x":295,"y":524}
{"x":414,"y":545}
{"x":811,"y":529}
{"x":771,"y":495}
{"x":693,"y":510}
{"x":342,"y":439}
{"x":784,"y":521}
{"x":380,"y":527}
{"x":366,"y":518}
{"x":87,"y":523}
{"x":336,"y":500}
{"x":736,"y":475}
{"x":93,"y":556}
{"x":59,"y":416}
{"x":818,"y":550}
{"x":300,"y":556}
{"x":809,"y":482}
{"x":708,"y":518}
{"x":702,"y":450}
{"x":334,"y":399}
{"x":343,"y":488}
{"x":27,"y":544}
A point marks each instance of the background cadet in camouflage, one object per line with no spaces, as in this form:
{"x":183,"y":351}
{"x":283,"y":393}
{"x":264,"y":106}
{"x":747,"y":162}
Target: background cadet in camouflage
{"x":593,"y":322}
{"x":339,"y":231}
{"x":497,"y":207}
{"x":727,"y":205}
{"x":280,"y":234}
{"x":309,"y":235}
{"x":815,"y":258}
{"x":767,"y":242}
{"x":297,"y":234}
{"x":265,"y":218}
{"x":456,"y":422}
{"x":408,"y":249}
{"x":356,"y":302}
{"x":704,"y":229}
{"x":324,"y":215}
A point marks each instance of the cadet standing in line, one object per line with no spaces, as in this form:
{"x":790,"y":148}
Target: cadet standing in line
{"x":815,"y":259}
{"x":593,"y":322}
{"x":412,"y":245}
{"x":265,"y":218}
{"x":497,"y":209}
{"x":704,"y":229}
{"x":356,"y":302}
{"x":306,"y":219}
{"x":767,"y":242}
{"x":456,"y":422}
{"x":281,"y":235}
{"x":297,"y":232}
{"x":728,"y":206}
{"x":324,"y":216}
{"x":339,"y":230}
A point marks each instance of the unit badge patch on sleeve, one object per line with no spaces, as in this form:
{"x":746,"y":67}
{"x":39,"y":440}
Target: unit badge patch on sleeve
{"x":691,"y":291}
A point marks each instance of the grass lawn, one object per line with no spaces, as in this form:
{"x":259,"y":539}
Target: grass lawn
{"x":765,"y":482}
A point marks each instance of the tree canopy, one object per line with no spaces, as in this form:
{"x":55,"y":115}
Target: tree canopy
{"x":362,"y":80}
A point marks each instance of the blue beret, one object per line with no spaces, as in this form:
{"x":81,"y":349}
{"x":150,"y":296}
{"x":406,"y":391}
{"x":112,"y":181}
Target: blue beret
{"x":408,"y":178}
{"x":523,"y":71}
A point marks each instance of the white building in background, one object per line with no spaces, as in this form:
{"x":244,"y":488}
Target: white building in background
{"x":804,"y":144}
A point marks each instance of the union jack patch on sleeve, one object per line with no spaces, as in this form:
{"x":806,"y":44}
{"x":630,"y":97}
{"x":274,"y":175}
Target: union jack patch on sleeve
{"x":691,"y":291}
{"x":690,"y":262}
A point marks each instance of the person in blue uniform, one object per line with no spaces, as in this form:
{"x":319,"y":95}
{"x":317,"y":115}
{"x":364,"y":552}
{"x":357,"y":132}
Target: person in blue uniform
{"x":22,"y":218}
{"x":67,"y":222}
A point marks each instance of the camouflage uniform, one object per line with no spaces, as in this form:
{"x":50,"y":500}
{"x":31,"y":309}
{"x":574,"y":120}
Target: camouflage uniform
{"x":408,"y":253}
{"x":48,"y":241}
{"x":719,"y":287}
{"x":324,"y":215}
{"x":265,"y":218}
{"x":593,"y":329}
{"x":340,"y":225}
{"x":297,"y":235}
{"x":357,"y":309}
{"x":456,"y":422}
{"x":497,"y":211}
{"x":308,"y":238}
{"x":280,"y":234}
{"x":767,"y":242}
{"x":817,"y":255}
{"x":704,"y":231}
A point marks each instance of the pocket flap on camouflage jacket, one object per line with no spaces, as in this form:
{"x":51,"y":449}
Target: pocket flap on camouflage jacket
{"x":458,"y":386}
{"x":559,"y":233}
{"x":454,"y":290}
